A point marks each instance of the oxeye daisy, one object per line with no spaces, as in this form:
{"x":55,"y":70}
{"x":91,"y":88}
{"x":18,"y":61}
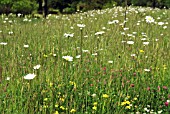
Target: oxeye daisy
{"x":81,"y":25}
{"x":130,"y":42}
{"x":37,"y":67}
{"x":29,"y":76}
{"x":3,"y":43}
{"x":149,"y":19}
{"x":68,"y":58}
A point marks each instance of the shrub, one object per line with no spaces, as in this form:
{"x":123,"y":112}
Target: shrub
{"x":110,"y":4}
{"x":53,"y":11}
{"x":24,"y":6}
{"x":5,"y":6}
{"x":69,"y":10}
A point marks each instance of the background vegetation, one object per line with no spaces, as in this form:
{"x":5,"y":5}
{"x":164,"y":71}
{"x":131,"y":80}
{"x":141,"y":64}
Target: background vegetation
{"x":71,"y":6}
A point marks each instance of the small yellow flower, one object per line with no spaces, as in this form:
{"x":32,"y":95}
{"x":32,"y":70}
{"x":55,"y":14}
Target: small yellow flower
{"x":73,"y":83}
{"x":43,"y":91}
{"x":95,"y":103}
{"x":105,"y":96}
{"x":45,"y":55}
{"x":45,"y":106}
{"x":127,"y":107}
{"x":56,"y":105}
{"x":61,"y":107}
{"x":164,"y":66}
{"x":141,"y":51}
{"x":45,"y":99}
{"x":51,"y":84}
{"x":56,"y":112}
{"x":94,"y":108}
{"x":123,"y":103}
{"x":135,"y":99}
{"x":73,"y":110}
{"x":127,"y":97}
{"x":59,"y":93}
{"x":127,"y":102}
{"x":62,"y":99}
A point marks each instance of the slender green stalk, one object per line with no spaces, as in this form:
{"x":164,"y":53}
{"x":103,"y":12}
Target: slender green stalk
{"x":125,"y":13}
{"x":81,"y":46}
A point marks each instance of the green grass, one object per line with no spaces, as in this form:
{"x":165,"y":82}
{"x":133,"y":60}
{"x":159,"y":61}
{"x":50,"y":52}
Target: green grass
{"x":89,"y":84}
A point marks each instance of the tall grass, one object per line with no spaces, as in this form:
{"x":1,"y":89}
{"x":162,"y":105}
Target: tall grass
{"x":115,"y":74}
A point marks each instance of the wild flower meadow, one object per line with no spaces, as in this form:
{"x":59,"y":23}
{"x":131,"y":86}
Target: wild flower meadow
{"x":86,"y":63}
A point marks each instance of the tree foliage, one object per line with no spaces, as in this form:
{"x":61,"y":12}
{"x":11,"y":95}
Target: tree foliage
{"x":24,"y":6}
{"x":5,"y":6}
{"x":152,"y":3}
{"x":71,"y":6}
{"x":18,"y":6}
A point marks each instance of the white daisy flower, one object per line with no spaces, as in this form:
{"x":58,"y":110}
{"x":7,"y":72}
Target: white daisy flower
{"x":130,"y":42}
{"x":94,"y":54}
{"x":8,"y":78}
{"x":81,"y":25}
{"x":3,"y":43}
{"x":160,"y":23}
{"x":110,"y":61}
{"x":93,"y":95}
{"x":78,"y":56}
{"x":165,"y":27}
{"x":125,"y":28}
{"x":68,"y":58}
{"x":99,"y":33}
{"x":68,"y":35}
{"x":85,"y":51}
{"x":145,"y":43}
{"x":133,"y":55}
{"x":25,"y":19}
{"x":147,"y":70}
{"x":37,"y":67}
{"x":113,"y":22}
{"x":149,"y":19}
{"x":29,"y":76}
{"x":26,"y":46}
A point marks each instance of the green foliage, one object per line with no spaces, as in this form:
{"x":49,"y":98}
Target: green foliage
{"x":81,"y":6}
{"x":68,"y":10}
{"x":53,"y":11}
{"x":24,"y":6}
{"x":163,"y":3}
{"x":84,"y":5}
{"x":71,"y":6}
{"x":167,"y":2}
{"x":158,"y":3}
{"x":139,"y":2}
{"x":5,"y":6}
{"x":110,"y":4}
